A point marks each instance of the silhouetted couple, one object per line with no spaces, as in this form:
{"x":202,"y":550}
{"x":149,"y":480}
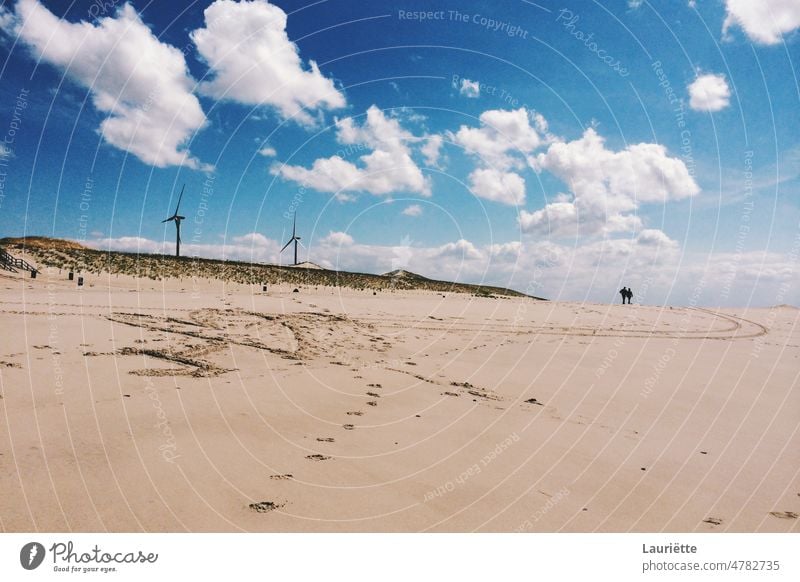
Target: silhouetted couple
{"x":626,"y":294}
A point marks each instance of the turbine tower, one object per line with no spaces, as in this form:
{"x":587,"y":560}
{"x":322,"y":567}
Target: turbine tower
{"x":295,"y":239}
{"x":177,"y":218}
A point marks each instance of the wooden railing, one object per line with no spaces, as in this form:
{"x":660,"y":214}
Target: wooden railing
{"x":11,"y":263}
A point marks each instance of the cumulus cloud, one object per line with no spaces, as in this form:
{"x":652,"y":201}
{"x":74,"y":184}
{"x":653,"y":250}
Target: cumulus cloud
{"x":141,"y":83}
{"x":765,"y":21}
{"x":650,"y":263}
{"x":470,"y":89}
{"x":252,"y":61}
{"x":509,"y":250}
{"x":607,"y":187}
{"x":7,"y":20}
{"x":709,"y":92}
{"x":461,"y":249}
{"x":267,"y":151}
{"x":388,"y":168}
{"x":432,"y":150}
{"x":412,"y":210}
{"x":501,"y":146}
{"x":503,"y":136}
{"x":337,"y":239}
{"x":251,"y":247}
{"x":498,"y":186}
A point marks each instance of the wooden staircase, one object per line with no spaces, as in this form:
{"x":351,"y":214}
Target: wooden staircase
{"x":11,"y":263}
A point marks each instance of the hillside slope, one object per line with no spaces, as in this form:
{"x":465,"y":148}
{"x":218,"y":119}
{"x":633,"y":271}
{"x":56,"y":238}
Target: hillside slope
{"x":62,"y":254}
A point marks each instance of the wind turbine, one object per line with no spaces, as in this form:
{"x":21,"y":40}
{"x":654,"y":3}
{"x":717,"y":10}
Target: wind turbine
{"x":295,"y":239}
{"x":177,"y":218}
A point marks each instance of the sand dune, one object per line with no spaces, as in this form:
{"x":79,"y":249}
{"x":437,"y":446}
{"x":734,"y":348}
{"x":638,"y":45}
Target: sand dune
{"x":204,"y":405}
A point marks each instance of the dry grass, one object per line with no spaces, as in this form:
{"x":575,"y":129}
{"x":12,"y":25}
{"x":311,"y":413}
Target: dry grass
{"x":70,"y":255}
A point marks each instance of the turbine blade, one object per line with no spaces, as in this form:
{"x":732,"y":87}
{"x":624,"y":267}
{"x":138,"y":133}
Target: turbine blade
{"x":179,"y":200}
{"x":294,"y":224}
{"x":286,"y":245}
{"x":165,"y":220}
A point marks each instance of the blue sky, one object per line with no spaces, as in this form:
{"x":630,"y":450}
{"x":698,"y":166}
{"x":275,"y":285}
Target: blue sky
{"x":561,"y":149}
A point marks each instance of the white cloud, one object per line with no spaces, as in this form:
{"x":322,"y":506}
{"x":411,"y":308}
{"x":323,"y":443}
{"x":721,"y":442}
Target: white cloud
{"x":413,"y":210}
{"x":388,"y":168}
{"x":470,"y":89}
{"x":764,"y":21}
{"x":337,"y":239}
{"x":252,"y":61}
{"x":432,"y":150}
{"x":7,"y":20}
{"x":607,"y":187}
{"x":249,"y":247}
{"x":142,"y":84}
{"x":709,"y":92}
{"x":461,"y":249}
{"x":504,"y":136}
{"x":504,"y":187}
{"x":502,"y":145}
{"x":634,"y":4}
{"x":650,"y":263}
{"x":556,"y":219}
{"x":267,"y":151}
{"x":509,"y":250}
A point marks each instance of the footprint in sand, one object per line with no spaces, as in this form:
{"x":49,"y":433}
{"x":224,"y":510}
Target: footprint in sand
{"x":373,"y":395}
{"x":317,"y":457}
{"x":713,"y":520}
{"x":325,"y":439}
{"x":265,"y":506}
{"x":282,"y":477}
{"x":783,"y":514}
{"x":372,"y":403}
{"x":355,"y":413}
{"x":348,"y":426}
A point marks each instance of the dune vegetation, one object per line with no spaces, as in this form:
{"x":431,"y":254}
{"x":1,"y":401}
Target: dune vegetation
{"x":62,"y":254}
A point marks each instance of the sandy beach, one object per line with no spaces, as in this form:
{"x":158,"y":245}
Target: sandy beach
{"x":193,"y":405}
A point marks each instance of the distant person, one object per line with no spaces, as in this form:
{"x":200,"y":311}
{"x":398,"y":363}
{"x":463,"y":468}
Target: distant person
{"x":624,"y":293}
{"x":629,"y":295}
